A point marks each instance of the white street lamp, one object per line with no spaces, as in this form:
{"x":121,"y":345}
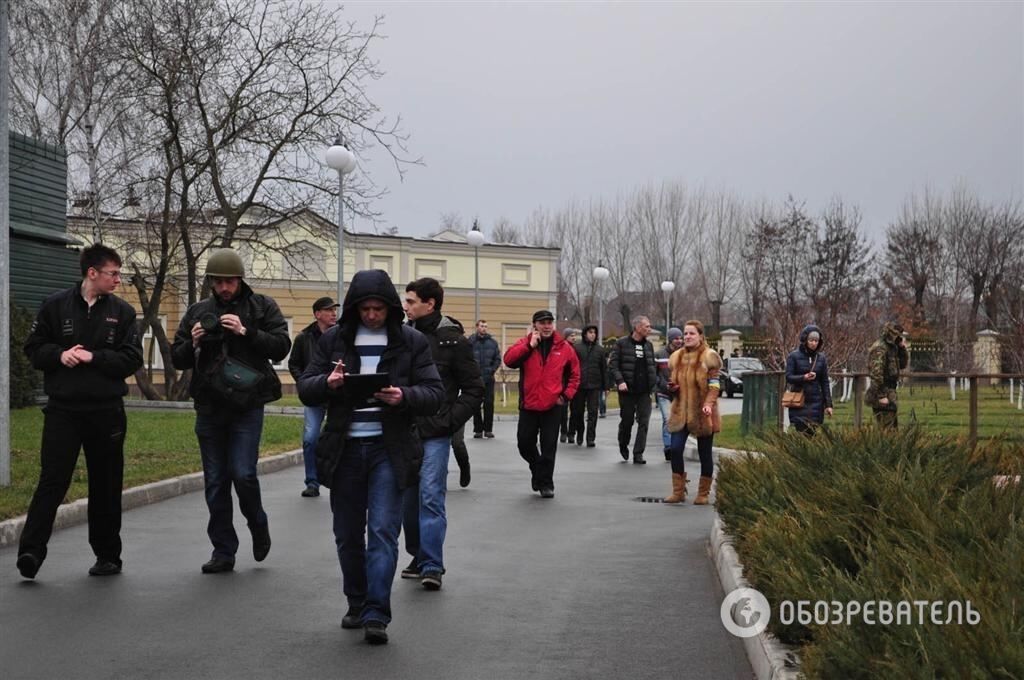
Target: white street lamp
{"x":600,"y":274}
{"x":475,"y":238}
{"x":667,"y":287}
{"x":341,"y":159}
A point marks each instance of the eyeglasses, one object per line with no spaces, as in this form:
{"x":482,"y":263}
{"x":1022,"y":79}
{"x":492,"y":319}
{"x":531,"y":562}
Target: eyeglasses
{"x":115,"y":274}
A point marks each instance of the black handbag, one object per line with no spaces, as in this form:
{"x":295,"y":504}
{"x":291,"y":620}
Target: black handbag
{"x":235,"y":382}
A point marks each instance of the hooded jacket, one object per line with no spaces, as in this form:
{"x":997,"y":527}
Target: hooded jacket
{"x":593,"y":363}
{"x":107,"y":329}
{"x":543,"y":379}
{"x":886,"y":358}
{"x":696,"y":372}
{"x":459,"y":371}
{"x":818,"y":392}
{"x":407,"y":361}
{"x":266,"y":340}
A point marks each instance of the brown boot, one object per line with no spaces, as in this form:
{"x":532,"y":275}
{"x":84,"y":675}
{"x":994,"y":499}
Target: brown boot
{"x":678,"y":489}
{"x":703,"y":489}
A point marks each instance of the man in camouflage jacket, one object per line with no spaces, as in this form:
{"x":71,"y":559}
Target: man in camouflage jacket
{"x":886,"y":358}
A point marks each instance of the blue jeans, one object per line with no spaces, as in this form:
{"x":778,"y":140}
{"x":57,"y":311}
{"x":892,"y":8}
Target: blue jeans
{"x":229,"y":444}
{"x":665,"y":406}
{"x":425,"y":520}
{"x":313,"y":418}
{"x":367,"y":507}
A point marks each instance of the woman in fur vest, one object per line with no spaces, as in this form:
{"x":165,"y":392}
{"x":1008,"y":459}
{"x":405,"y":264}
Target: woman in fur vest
{"x":695,"y":384}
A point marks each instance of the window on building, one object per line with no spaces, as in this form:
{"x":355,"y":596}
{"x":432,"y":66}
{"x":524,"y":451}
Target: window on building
{"x":304,"y":260}
{"x":282,"y":365}
{"x":435,"y":269}
{"x":385,"y":262}
{"x":515,"y":274}
{"x":151,"y":357}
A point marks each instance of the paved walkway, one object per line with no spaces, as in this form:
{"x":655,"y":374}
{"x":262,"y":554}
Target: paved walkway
{"x":591,"y":584}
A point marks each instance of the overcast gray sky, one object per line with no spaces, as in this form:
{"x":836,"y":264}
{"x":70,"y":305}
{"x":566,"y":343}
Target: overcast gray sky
{"x":515,"y":106}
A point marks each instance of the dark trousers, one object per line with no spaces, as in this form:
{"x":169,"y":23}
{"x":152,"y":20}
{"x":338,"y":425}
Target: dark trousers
{"x":563,"y":422}
{"x":886,"y":419}
{"x":101,"y":435}
{"x":704,"y":444}
{"x":585,"y":401}
{"x":483,"y":417}
{"x":545,"y":425}
{"x":634,"y":407}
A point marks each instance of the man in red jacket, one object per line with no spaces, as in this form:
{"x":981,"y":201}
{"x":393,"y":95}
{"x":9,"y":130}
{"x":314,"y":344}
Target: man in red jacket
{"x":549,"y":375}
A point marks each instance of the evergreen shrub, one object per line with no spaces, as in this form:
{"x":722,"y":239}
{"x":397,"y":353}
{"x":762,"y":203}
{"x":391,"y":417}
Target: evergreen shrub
{"x":25,"y":380}
{"x":863,"y":515}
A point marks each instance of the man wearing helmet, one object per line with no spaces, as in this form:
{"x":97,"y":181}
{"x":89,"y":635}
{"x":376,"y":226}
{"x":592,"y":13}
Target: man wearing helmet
{"x":248,"y":328}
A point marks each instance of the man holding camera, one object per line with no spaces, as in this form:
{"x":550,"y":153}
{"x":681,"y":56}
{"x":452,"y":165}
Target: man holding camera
{"x":229,"y":340}
{"x":886,"y":358}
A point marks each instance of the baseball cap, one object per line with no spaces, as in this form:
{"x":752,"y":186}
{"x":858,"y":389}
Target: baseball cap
{"x":543,"y":315}
{"x":324,"y":303}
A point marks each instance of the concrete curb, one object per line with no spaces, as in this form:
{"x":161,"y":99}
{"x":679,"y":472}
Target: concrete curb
{"x":76,"y":512}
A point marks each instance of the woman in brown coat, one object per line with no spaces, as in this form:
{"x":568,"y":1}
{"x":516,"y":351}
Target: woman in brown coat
{"x":695,"y":384}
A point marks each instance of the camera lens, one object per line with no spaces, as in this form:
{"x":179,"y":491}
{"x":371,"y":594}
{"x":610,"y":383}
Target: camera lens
{"x":209,"y":322}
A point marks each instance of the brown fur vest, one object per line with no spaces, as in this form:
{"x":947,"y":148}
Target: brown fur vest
{"x":690,"y":369}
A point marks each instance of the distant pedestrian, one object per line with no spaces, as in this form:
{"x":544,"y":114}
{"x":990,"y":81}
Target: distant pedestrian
{"x":633,"y":372}
{"x":807,"y":372}
{"x":235,"y":332}
{"x":425,"y":516}
{"x":549,"y":375}
{"x":488,"y":356}
{"x":696,"y":383}
{"x":565,"y":435}
{"x":593,"y":382}
{"x":661,"y":393}
{"x":370,"y":451}
{"x":85,"y":341}
{"x":886,"y":358}
{"x":325,"y":314}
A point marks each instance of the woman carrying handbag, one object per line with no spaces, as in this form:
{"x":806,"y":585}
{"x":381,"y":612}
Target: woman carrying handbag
{"x":807,"y":373}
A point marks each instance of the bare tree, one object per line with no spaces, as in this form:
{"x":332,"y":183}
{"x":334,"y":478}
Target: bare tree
{"x":719,"y":240}
{"x":757,"y":238}
{"x":504,"y":231}
{"x":913,"y":249}
{"x":452,"y":221}
{"x":840,"y":268}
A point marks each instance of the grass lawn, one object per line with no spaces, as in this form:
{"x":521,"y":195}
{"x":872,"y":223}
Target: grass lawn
{"x":159,"y":445}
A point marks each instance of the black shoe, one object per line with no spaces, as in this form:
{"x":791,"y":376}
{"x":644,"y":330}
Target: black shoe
{"x":431,"y":580}
{"x":533,"y":485}
{"x":218,"y":566}
{"x":547,"y":492}
{"x":28,"y":565}
{"x":351,"y":618}
{"x":591,"y":445}
{"x":668,"y":454}
{"x":563,"y":439}
{"x":489,"y":435}
{"x":104,"y":568}
{"x":478,"y":435}
{"x":464,"y":475}
{"x":260,"y":542}
{"x":375,"y":632}
{"x":638,"y":459}
{"x":601,"y":415}
{"x":311,"y":491}
{"x":624,"y":453}
{"x":412,"y":571}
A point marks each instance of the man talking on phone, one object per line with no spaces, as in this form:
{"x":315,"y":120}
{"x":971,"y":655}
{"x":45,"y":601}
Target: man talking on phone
{"x":370,"y":452}
{"x":549,"y":375}
{"x":886,"y":358}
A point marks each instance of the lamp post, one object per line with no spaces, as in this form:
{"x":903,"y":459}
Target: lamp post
{"x":667,"y":287}
{"x":476,"y":239}
{"x":341,"y":159}
{"x":600,"y":274}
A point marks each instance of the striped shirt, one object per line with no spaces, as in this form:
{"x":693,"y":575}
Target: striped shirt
{"x":370,"y":344}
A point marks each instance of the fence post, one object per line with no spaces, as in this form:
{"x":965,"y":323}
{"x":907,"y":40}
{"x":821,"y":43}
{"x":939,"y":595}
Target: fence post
{"x":973,"y":436}
{"x":781,"y":412}
{"x":952,"y":386}
{"x":858,"y":401}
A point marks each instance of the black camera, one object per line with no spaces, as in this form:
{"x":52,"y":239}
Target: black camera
{"x":210,"y":323}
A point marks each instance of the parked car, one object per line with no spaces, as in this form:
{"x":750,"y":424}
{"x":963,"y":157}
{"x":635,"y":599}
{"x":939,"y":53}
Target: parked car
{"x":732,"y":373}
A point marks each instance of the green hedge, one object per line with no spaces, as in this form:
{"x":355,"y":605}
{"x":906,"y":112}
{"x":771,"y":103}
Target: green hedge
{"x":859,"y":516}
{"x":25,"y":380}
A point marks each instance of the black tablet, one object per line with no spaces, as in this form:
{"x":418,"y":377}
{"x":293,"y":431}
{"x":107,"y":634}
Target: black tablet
{"x":360,"y":387}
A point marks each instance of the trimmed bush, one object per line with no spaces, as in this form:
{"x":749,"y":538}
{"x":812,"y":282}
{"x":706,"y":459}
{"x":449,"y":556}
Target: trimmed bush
{"x":24,"y":379}
{"x":859,"y":516}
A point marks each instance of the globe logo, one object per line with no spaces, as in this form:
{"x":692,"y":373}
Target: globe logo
{"x":745,"y":612}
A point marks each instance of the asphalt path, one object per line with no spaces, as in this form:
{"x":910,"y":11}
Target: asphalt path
{"x":590,"y":584}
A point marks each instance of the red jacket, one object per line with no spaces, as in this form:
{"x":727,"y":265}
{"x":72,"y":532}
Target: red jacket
{"x":542,"y":381}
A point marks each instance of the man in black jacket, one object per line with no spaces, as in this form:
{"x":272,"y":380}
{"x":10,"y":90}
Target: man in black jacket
{"x":86,"y":343}
{"x":593,"y":381}
{"x":236,"y":323}
{"x":632,"y":369}
{"x":370,"y":451}
{"x":325,"y":313}
{"x":426,"y":522}
{"x":488,"y":356}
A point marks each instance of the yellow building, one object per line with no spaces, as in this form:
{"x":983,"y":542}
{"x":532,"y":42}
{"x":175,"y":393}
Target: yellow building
{"x":295,"y":262}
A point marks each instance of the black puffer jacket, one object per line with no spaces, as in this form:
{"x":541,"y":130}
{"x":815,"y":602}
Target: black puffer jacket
{"x":817,"y":393}
{"x":622,"y":365}
{"x":463,"y":387}
{"x":302,"y":349}
{"x":593,"y":364}
{"x":487,"y":354}
{"x":406,"y":360}
{"x":266,"y":340}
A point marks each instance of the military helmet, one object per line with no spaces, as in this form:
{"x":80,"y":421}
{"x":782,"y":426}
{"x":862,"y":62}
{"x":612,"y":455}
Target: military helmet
{"x":225,"y":262}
